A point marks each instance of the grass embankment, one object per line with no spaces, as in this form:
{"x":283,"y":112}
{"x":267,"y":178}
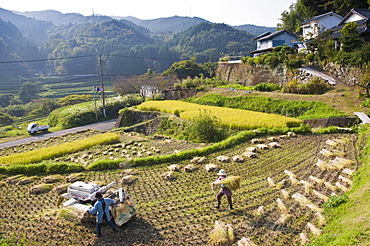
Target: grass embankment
{"x":233,"y":118}
{"x":349,"y":222}
{"x":38,"y":155}
{"x":342,"y":97}
{"x":292,"y":108}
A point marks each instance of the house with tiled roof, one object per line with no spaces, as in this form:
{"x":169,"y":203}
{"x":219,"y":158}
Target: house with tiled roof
{"x":267,"y":41}
{"x":312,"y":27}
{"x":362,"y":19}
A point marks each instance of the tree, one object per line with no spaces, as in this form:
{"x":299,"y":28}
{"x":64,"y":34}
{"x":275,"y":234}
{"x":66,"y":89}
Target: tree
{"x":5,"y":119}
{"x":342,"y":7}
{"x":147,"y":85}
{"x":27,"y":92}
{"x":5,"y":99}
{"x":184,"y":69}
{"x":350,"y":39}
{"x":290,"y":20}
{"x":207,"y":128}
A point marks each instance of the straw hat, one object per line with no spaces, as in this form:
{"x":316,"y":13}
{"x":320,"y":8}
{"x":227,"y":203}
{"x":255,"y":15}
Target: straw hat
{"x":222,"y":172}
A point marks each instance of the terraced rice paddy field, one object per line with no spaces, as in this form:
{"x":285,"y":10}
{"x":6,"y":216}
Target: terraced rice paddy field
{"x":279,"y":201}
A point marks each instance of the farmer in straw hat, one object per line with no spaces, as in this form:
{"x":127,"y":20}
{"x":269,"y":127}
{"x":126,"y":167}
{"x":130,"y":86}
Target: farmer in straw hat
{"x":224,"y":190}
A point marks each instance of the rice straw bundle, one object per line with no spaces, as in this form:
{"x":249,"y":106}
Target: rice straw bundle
{"x":330,"y":186}
{"x":280,"y":184}
{"x":331,"y":143}
{"x":283,"y":218}
{"x":272,"y":139}
{"x":246,"y":242}
{"x":343,"y":162}
{"x":170,"y":175}
{"x":281,"y":206}
{"x":258,"y":213}
{"x":262,"y":146}
{"x":223,"y":158}
{"x":339,"y":153}
{"x":335,"y":163}
{"x":315,"y":231}
{"x":344,"y":179}
{"x":285,"y":194}
{"x":222,"y":234}
{"x":321,"y":196}
{"x":174,"y":168}
{"x":249,"y":154}
{"x":317,"y":180}
{"x":327,"y":153}
{"x":320,"y":218}
{"x":271,"y":182}
{"x":129,"y":179}
{"x":211,"y":167}
{"x":342,"y":187}
{"x":252,"y":149}
{"x":323,"y":165}
{"x":307,"y":187}
{"x":342,"y":140}
{"x":301,"y":199}
{"x":304,"y":238}
{"x":314,"y":208}
{"x":294,"y":181}
{"x":348,"y":171}
{"x":290,"y":174}
{"x":231,"y":182}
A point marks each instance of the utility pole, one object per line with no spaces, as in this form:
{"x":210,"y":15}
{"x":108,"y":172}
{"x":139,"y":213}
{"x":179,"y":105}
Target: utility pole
{"x":102,"y":84}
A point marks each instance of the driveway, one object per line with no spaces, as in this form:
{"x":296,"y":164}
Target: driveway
{"x":101,"y":126}
{"x":315,"y":72}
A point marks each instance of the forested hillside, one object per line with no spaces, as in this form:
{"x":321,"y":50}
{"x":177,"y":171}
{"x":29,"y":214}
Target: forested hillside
{"x":59,"y":18}
{"x":34,"y":30}
{"x":165,"y":25}
{"x":211,"y":41}
{"x":14,"y":46}
{"x":255,"y":30}
{"x":128,"y":46}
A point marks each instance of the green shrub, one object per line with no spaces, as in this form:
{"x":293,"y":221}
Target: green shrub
{"x":102,"y":165}
{"x":267,"y":87}
{"x":85,"y":113}
{"x":335,"y":201}
{"x":206,"y":128}
{"x":74,"y":99}
{"x":315,"y":86}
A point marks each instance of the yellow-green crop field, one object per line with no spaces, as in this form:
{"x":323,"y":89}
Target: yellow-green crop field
{"x":38,"y":155}
{"x":234,"y":118}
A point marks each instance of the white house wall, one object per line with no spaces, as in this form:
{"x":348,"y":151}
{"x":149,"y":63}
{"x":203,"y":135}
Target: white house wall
{"x":285,"y":38}
{"x":325,"y":23}
{"x":353,"y":17}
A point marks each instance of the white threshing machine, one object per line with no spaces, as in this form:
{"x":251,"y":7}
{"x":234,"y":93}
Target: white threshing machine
{"x":81,"y":196}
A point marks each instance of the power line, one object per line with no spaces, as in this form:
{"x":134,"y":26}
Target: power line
{"x":48,"y":59}
{"x":75,"y":57}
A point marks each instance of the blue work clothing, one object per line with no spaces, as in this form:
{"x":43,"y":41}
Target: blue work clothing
{"x":98,"y":209}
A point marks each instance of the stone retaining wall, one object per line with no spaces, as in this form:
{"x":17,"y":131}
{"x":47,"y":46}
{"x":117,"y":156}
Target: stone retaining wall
{"x":325,"y":122}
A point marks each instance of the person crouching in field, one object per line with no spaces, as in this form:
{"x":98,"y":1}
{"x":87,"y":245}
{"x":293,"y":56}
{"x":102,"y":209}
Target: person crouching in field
{"x":223,"y":191}
{"x":101,"y":209}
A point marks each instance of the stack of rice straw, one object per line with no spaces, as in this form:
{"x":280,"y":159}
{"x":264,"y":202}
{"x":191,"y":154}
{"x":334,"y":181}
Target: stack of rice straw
{"x":231,"y":182}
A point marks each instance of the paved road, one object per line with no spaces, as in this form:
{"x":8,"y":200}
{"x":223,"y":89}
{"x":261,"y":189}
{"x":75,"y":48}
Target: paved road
{"x":102,"y":126}
{"x":319,"y":74}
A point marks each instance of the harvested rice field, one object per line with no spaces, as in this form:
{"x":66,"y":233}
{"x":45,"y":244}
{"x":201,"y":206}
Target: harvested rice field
{"x":279,"y":202}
